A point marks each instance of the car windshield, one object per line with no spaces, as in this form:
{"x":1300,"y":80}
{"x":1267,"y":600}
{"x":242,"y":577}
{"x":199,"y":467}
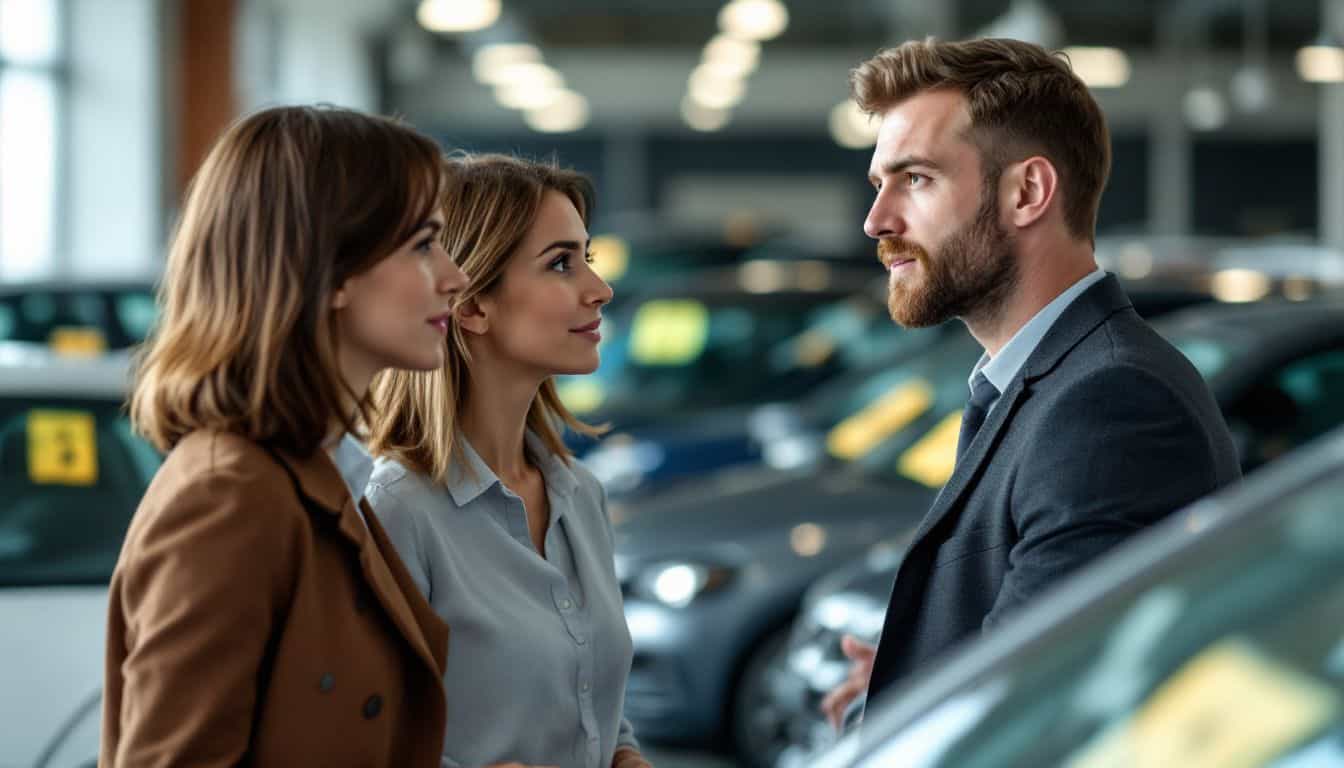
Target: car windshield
{"x":1232,"y":654}
{"x":71,"y":475}
{"x":674,"y":353}
{"x":81,"y":320}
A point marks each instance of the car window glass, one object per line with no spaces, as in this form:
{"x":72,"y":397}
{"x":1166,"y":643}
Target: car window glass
{"x":1298,"y":402}
{"x":137,"y":311}
{"x":71,"y":475}
{"x":1257,"y":619}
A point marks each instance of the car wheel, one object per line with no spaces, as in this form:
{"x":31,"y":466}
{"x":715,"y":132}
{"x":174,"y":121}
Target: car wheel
{"x":760,"y":717}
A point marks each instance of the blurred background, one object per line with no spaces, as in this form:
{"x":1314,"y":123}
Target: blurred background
{"x":775,"y":435}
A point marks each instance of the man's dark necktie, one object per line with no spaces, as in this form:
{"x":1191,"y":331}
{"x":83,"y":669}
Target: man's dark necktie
{"x":983,"y":395}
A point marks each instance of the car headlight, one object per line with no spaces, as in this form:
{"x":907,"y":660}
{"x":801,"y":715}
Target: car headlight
{"x":621,"y":466}
{"x":850,"y":613}
{"x":676,"y":584}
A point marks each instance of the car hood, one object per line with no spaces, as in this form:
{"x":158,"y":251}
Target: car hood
{"x":51,"y":664}
{"x":730,"y":512}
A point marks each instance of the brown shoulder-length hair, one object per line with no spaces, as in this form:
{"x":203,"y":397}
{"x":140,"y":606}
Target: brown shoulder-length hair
{"x":1023,"y":100}
{"x":289,"y":203}
{"x":490,"y":203}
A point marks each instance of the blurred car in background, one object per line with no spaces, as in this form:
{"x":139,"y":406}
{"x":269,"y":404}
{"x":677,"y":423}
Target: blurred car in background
{"x":1215,"y":638}
{"x":1277,"y":370}
{"x":86,"y":318}
{"x":714,"y":570}
{"x":704,"y":341}
{"x":71,"y":475}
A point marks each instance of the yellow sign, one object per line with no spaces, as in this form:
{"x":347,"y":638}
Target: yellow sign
{"x":74,"y":341}
{"x":611,"y":257}
{"x":581,"y":395}
{"x":62,"y":448}
{"x":1230,"y":706}
{"x":669,"y":332}
{"x":861,"y":432}
{"x":931,"y":460}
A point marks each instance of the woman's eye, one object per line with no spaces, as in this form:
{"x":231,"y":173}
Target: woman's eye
{"x":425,"y":245}
{"x":561,"y":264}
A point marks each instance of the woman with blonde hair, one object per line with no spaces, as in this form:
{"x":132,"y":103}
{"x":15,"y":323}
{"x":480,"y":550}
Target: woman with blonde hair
{"x":507,"y":536}
{"x":258,"y":614}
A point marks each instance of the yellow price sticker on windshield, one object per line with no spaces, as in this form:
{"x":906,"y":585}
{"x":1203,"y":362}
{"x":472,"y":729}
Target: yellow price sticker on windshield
{"x":1229,"y":706}
{"x":62,"y":448}
{"x":581,"y":395}
{"x":886,"y":415}
{"x":77,"y":342}
{"x":669,"y":332}
{"x":931,"y":460}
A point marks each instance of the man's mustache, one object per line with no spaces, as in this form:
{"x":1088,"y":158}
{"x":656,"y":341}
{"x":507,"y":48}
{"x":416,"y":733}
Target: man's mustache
{"x":894,"y":249}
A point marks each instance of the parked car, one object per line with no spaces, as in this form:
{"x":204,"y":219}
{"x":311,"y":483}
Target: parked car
{"x":87,"y":317}
{"x":703,"y":341}
{"x":71,"y":475}
{"x":1212,"y":639}
{"x":1277,"y":370}
{"x":715,"y":569}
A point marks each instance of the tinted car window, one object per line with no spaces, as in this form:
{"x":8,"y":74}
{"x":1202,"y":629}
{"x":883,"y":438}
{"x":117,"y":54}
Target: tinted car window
{"x":1230,"y":655}
{"x":71,"y":475}
{"x":122,"y":316}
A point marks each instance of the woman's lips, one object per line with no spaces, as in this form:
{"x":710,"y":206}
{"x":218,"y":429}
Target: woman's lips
{"x":589,"y":331}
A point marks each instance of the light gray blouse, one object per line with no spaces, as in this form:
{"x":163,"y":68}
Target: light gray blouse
{"x":539,"y":651}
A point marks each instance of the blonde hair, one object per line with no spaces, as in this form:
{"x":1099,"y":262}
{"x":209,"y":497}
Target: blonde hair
{"x":490,"y":203}
{"x":289,"y":203}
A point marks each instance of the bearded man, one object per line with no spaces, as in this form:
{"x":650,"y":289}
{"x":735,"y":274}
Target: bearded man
{"x":1084,"y":426}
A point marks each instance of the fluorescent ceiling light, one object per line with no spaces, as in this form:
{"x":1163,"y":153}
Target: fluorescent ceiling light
{"x":1321,"y":63}
{"x":490,"y":63}
{"x":753,"y":19}
{"x":851,"y":127}
{"x":710,"y":90}
{"x":730,"y":55}
{"x":703,"y":118}
{"x":528,"y":95}
{"x":1099,"y":67}
{"x":457,"y":15}
{"x":569,"y":112}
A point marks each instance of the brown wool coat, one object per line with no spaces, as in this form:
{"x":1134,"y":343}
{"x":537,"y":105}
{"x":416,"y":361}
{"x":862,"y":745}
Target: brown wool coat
{"x":250,"y":624}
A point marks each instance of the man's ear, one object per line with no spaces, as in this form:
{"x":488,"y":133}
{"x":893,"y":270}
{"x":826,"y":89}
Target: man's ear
{"x":1030,"y":186}
{"x":471,"y":316}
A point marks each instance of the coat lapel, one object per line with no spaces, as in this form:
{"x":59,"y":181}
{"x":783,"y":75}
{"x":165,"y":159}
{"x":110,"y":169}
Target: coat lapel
{"x":318,"y":479}
{"x":1082,"y":317}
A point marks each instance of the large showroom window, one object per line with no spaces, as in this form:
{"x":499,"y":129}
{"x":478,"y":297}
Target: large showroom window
{"x":31,"y":65}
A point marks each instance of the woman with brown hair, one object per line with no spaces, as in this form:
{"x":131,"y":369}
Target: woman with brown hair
{"x":507,"y":536}
{"x":258,"y":613}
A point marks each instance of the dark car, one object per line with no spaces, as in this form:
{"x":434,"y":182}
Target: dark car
{"x":1277,"y":370}
{"x":1213,"y":639}
{"x":78,"y":317}
{"x":704,"y":341}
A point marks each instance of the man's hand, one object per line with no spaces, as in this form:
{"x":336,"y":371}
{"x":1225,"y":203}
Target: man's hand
{"x":862,"y":654}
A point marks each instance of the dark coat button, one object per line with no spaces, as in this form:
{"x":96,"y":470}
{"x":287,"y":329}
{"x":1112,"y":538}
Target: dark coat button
{"x":373,"y":706}
{"x":326,"y":683}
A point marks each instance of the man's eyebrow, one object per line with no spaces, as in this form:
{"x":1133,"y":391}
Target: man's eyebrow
{"x":909,"y":161}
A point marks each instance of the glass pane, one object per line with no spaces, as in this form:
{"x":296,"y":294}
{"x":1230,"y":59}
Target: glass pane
{"x":27,"y":172}
{"x":29,"y":31}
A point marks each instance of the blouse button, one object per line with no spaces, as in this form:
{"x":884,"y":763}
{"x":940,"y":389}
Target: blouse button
{"x":373,"y":706}
{"x":565,"y":604}
{"x":326,"y":683}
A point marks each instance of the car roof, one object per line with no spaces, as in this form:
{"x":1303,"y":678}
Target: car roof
{"x":1255,"y":322}
{"x":1236,"y":513}
{"x":34,"y":370}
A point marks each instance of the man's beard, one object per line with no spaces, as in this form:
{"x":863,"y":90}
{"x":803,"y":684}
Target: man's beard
{"x":969,"y":275}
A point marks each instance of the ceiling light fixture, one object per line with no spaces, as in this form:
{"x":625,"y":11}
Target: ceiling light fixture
{"x":490,"y":63}
{"x":567,"y":113}
{"x":754,"y":19}
{"x":452,"y":16}
{"x":1099,"y":67}
{"x":1321,"y":62}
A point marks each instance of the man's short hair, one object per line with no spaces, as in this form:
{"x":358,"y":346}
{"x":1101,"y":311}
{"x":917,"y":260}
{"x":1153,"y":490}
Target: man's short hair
{"x":1023,"y":101}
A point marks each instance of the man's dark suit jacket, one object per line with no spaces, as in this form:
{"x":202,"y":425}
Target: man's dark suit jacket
{"x":1106,"y":429}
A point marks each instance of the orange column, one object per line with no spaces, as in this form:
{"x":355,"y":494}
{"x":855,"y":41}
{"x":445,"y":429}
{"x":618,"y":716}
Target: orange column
{"x":205,"y":90}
